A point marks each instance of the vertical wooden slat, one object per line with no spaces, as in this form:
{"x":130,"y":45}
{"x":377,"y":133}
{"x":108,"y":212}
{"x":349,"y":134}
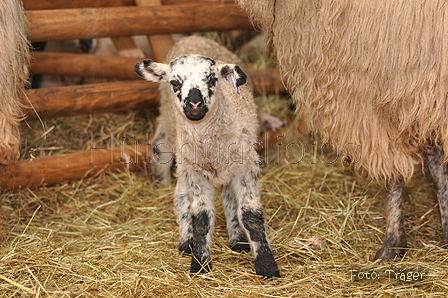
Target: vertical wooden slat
{"x":127,"y":47}
{"x":160,"y":44}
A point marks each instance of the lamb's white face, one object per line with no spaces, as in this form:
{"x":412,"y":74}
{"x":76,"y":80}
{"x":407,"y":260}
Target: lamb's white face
{"x":193,"y":79}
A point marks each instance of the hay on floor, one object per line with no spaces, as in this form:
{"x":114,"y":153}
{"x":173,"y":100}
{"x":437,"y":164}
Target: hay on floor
{"x":115,"y":235}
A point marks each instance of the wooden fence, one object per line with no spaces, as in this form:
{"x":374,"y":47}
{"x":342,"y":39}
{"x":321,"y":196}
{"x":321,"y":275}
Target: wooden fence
{"x":120,"y":20}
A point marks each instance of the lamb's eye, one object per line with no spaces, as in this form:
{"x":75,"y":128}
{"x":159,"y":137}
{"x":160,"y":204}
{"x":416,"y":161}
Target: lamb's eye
{"x":176,"y":85}
{"x":212,"y":82}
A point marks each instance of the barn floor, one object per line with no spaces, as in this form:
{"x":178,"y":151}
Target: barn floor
{"x":114,"y":235}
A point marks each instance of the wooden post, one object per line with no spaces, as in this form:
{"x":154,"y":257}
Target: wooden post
{"x":60,"y":4}
{"x":46,"y":171}
{"x":127,"y":47}
{"x":160,"y":44}
{"x":61,"y":24}
{"x":90,"y":99}
{"x":83,"y":65}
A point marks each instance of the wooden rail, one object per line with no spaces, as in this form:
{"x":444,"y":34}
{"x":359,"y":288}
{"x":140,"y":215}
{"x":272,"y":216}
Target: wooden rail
{"x":120,"y":19}
{"x":90,"y":99}
{"x":84,"y":23}
{"x":51,"y":170}
{"x":60,"y":4}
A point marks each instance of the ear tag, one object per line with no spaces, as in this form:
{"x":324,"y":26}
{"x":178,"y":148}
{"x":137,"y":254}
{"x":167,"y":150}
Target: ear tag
{"x":232,"y":80}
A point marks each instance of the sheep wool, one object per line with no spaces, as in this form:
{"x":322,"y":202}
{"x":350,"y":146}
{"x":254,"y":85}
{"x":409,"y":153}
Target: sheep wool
{"x":14,"y":57}
{"x":371,"y":76}
{"x":365,"y":72}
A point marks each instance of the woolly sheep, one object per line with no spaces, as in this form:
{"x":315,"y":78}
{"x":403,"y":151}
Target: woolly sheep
{"x":370,"y":73}
{"x":13,"y":72}
{"x":211,"y":118}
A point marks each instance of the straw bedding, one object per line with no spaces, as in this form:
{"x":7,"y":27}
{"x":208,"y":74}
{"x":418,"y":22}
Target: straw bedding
{"x":115,"y":235}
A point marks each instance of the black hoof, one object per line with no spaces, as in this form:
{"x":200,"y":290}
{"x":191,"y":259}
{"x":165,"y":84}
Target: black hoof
{"x":445,"y":244}
{"x":197,"y":267}
{"x":266,"y":266}
{"x":241,"y":247}
{"x":270,"y":274}
{"x":185,"y":248}
{"x":386,"y":254}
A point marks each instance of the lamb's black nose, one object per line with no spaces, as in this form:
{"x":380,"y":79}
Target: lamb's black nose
{"x":195,"y":108}
{"x":194,"y":96}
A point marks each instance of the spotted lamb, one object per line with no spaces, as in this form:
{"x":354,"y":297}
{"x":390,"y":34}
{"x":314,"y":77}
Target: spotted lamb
{"x":215,"y":129}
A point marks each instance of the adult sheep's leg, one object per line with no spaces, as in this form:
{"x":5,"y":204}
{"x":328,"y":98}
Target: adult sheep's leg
{"x":162,"y":154}
{"x":250,"y":214}
{"x":395,"y":242}
{"x":182,"y":210}
{"x":202,"y":212}
{"x":237,"y":236}
{"x":439,"y":173}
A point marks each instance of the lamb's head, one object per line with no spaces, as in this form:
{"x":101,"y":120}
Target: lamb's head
{"x":194,"y":80}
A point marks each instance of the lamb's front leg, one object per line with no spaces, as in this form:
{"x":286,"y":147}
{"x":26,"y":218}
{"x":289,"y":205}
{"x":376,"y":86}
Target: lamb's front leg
{"x":250,"y":214}
{"x":202,"y":212}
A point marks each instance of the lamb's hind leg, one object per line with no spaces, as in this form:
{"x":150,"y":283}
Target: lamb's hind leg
{"x":395,"y":242}
{"x":439,"y":173}
{"x":237,"y":236}
{"x":250,"y":214}
{"x":162,"y":154}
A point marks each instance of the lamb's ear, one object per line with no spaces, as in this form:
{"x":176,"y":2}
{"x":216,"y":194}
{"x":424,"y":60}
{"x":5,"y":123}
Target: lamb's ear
{"x":231,"y":70}
{"x":152,"y":71}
